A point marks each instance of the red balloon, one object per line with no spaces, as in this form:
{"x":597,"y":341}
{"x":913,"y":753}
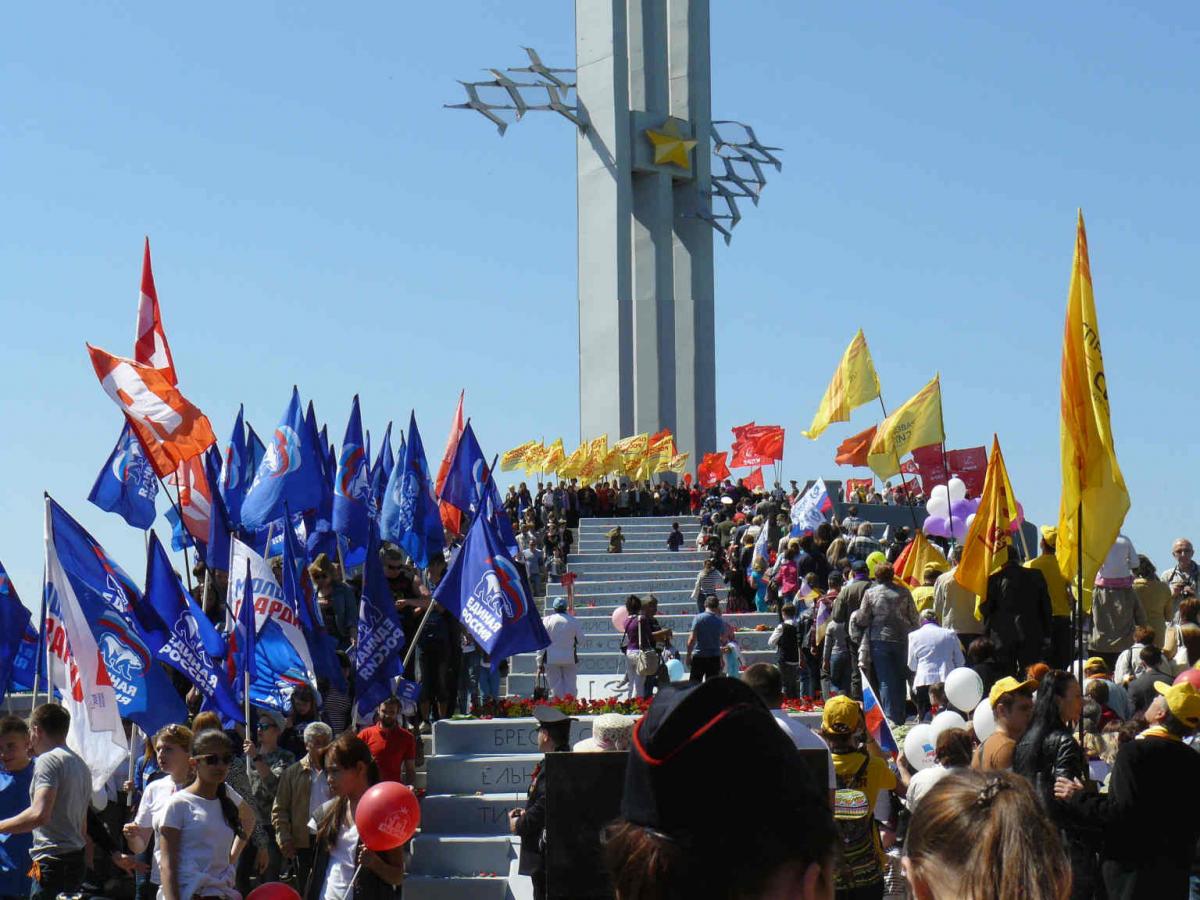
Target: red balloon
{"x":274,"y":890}
{"x":387,"y":816}
{"x":1192,"y":675}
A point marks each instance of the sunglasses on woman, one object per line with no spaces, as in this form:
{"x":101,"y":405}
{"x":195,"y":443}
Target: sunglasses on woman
{"x":217,"y":759}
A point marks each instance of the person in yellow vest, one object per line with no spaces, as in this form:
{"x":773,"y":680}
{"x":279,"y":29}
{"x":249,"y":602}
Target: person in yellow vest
{"x":1060,"y":599}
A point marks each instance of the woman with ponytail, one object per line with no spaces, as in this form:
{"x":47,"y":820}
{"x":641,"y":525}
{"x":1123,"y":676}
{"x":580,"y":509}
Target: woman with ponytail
{"x":173,"y":748}
{"x":204,"y":827}
{"x":350,"y":769}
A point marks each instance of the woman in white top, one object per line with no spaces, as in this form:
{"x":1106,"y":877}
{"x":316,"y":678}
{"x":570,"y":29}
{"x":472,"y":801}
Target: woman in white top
{"x":952,"y":750}
{"x":350,"y":769}
{"x":173,"y":747}
{"x":204,"y":827}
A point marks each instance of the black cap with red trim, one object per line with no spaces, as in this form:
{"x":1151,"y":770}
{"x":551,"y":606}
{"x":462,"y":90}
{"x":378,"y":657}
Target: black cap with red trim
{"x":712,"y":753}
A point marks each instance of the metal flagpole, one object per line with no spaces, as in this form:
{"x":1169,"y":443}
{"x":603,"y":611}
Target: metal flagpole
{"x":907,"y":495}
{"x":178,"y":504}
{"x":43,"y":652}
{"x":1079,"y":598}
{"x":946,"y":469}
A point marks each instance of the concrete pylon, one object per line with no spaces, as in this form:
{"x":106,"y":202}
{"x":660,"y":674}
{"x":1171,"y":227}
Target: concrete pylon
{"x":646,"y":324}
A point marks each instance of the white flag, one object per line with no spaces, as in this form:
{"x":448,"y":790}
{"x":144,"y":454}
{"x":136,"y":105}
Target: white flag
{"x":77,"y":670}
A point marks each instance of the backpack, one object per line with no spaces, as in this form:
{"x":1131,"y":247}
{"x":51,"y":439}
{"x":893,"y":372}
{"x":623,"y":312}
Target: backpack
{"x":854,"y":818}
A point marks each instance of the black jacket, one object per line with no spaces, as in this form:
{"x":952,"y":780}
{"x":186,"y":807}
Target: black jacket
{"x":367,"y":886}
{"x":1016,"y":612}
{"x":1058,"y":756}
{"x":531,"y":827}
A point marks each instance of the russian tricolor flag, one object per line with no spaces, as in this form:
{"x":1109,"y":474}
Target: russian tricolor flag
{"x":877,"y":723}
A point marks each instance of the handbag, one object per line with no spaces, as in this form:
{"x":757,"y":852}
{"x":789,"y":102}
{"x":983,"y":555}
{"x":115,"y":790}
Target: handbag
{"x":647,"y":661}
{"x":540,"y":689}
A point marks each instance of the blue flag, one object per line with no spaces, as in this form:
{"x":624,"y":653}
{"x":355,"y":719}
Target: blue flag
{"x":384,"y":461}
{"x":127,"y":484}
{"x":410,"y":513}
{"x":298,"y":593}
{"x":28,"y":660}
{"x":180,"y":537}
{"x":180,"y":635}
{"x":247,"y":638}
{"x":255,"y":451}
{"x":290,"y":472}
{"x":484,"y":590}
{"x":108,"y":598}
{"x":351,"y":483}
{"x":380,"y":635}
{"x":220,"y":527}
{"x":234,"y":466}
{"x":468,"y":472}
{"x":14,"y":623}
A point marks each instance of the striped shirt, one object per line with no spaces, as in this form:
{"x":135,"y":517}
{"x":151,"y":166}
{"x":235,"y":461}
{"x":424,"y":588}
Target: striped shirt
{"x":711,"y":582}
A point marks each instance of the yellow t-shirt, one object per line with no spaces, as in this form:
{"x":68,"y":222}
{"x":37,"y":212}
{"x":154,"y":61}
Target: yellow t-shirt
{"x":880,"y":777}
{"x":1060,"y":603}
{"x":923,"y":596}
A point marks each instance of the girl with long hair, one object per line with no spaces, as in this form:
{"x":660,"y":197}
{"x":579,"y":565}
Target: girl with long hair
{"x":350,"y":770}
{"x":172,"y":748}
{"x":1048,"y":751}
{"x":980,"y":835}
{"x":204,"y":827}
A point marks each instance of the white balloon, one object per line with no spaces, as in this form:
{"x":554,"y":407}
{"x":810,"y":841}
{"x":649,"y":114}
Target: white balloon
{"x":946,"y":720}
{"x":985,"y":722}
{"x":918,"y":747}
{"x":964,"y":688}
{"x":970,"y":519}
{"x":939,"y":492}
{"x":938,"y":506}
{"x":958,"y":489}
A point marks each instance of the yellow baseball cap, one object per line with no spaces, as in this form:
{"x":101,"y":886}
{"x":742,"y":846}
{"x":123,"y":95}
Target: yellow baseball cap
{"x":841,"y":715}
{"x":1183,"y":700}
{"x":1007,"y":686}
{"x":1050,"y":535}
{"x":1094,"y":665}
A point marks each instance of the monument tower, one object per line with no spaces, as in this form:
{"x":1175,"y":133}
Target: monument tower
{"x":646,"y":146}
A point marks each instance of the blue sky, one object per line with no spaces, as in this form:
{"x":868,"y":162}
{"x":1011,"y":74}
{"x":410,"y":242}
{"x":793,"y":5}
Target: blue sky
{"x":317,"y":218}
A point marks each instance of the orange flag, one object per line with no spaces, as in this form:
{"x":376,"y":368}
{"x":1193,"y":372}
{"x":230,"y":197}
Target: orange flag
{"x":451,"y":515}
{"x":169,"y":427}
{"x":853,"y":450}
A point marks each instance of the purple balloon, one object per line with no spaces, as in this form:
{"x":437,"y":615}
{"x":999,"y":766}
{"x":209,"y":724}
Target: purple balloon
{"x":936,"y":526}
{"x":956,"y":528}
{"x":961,"y":509}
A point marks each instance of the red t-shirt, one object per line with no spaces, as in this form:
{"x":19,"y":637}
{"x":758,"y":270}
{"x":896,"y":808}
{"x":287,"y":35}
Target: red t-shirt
{"x":390,"y":749}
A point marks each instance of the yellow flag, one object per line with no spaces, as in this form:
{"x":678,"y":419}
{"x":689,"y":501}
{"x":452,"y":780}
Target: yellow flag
{"x":918,"y":423}
{"x":515,"y":457}
{"x":854,"y":383}
{"x":678,"y":463}
{"x":1092,"y":479}
{"x":532,"y":460}
{"x":554,"y":457}
{"x":598,"y":451}
{"x":571,"y":466}
{"x":990,"y":536}
{"x":911,"y":563}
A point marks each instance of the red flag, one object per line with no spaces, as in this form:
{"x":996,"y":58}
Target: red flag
{"x":755,"y":481}
{"x":712,"y":469}
{"x":853,"y":450}
{"x":451,"y":514}
{"x":971,"y":466}
{"x":853,"y":484}
{"x":170,"y":428}
{"x":769,"y":444}
{"x":931,"y":466}
{"x":746,"y":450}
{"x":150,"y":346}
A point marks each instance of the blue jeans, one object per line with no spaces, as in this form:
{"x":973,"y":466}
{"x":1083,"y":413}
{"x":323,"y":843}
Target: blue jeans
{"x":839,"y":671}
{"x":890,"y":659}
{"x":489,"y":682}
{"x":468,"y":681}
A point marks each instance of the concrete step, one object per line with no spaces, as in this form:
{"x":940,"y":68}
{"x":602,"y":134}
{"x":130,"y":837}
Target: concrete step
{"x":603,"y":663}
{"x":649,"y":540}
{"x":679,"y":623}
{"x":471,"y":773}
{"x":441,"y":856}
{"x":697,"y":556}
{"x":468,"y":814}
{"x":606,"y":523}
{"x":611,"y":642}
{"x":426,"y":887}
{"x":496,"y":737}
{"x":631,"y":567}
{"x":607,"y":600}
{"x":658,"y":586}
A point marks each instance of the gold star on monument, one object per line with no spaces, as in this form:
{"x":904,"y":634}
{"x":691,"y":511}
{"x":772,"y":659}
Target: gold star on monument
{"x":670,"y":146}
